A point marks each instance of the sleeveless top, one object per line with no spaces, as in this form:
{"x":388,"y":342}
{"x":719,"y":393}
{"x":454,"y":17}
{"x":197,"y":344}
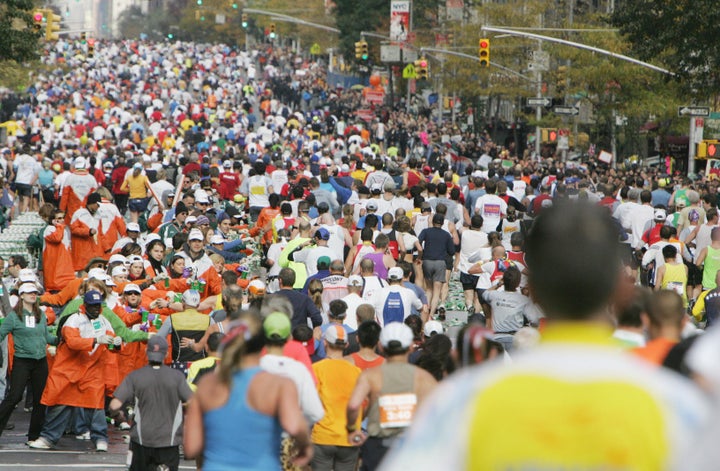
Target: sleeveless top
{"x":238,"y":438}
{"x":397,"y":379}
{"x":363,"y":364}
{"x":712,"y":265}
{"x":380,"y":268}
{"x":675,"y":279}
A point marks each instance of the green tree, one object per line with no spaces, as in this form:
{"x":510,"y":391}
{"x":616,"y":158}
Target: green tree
{"x":18,"y":40}
{"x":682,"y":34}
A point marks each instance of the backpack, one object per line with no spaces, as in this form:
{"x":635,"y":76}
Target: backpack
{"x":394,"y":309}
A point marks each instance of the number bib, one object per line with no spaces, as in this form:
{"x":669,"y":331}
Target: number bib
{"x":396,"y":410}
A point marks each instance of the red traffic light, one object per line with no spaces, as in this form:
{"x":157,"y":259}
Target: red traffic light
{"x":91,"y":42}
{"x":552,"y":136}
{"x":38,"y":16}
{"x":423,"y":63}
{"x":712,"y":150}
{"x":484,"y":44}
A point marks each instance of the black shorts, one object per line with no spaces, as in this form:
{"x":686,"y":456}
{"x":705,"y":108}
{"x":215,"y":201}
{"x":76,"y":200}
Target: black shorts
{"x":695,"y":274}
{"x":469,"y":282}
{"x":138,"y":205}
{"x":449,"y":262}
{"x":23,"y":190}
{"x":144,"y":458}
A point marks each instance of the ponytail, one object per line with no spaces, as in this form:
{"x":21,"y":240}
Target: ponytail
{"x":243,"y":337}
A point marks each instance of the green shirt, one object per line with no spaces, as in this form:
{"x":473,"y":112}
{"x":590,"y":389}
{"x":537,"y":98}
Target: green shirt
{"x":30,"y":337}
{"x":117,"y":324}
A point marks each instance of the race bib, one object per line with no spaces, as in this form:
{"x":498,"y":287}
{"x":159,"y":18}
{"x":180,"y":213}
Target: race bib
{"x":98,"y":327}
{"x":30,"y":322}
{"x":675,"y":286}
{"x":396,"y":410}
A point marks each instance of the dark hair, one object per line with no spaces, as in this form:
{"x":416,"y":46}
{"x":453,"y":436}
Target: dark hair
{"x":230,"y":277}
{"x":435,"y":356}
{"x":368,"y":334}
{"x":302,"y":333}
{"x":415,"y":323}
{"x":669,"y":251}
{"x":511,"y":278}
{"x":287,"y":277}
{"x":564,"y":240}
{"x":214,"y":341}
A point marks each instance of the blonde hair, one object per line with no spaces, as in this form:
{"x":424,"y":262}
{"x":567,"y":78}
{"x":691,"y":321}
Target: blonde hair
{"x":242,"y":337}
{"x":315,"y":290}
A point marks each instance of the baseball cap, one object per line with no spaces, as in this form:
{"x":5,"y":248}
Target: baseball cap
{"x":135,"y":259}
{"x":26,"y":275}
{"x":93,"y":198}
{"x":119,"y":270}
{"x":660,"y":215}
{"x":217,"y":239}
{"x":257,"y":287}
{"x":336,"y":335}
{"x":433,"y":327}
{"x":97,"y":273}
{"x":133,"y":226}
{"x":107,"y":279}
{"x":195,"y":234}
{"x":395,"y":273}
{"x":191,"y":297}
{"x":191,"y":220}
{"x":79,"y":162}
{"x":117,"y":258}
{"x":138,"y":166}
{"x":202,"y":198}
{"x":322,"y":234}
{"x":157,"y":348}
{"x":277,"y":326}
{"x":28,"y":288}
{"x":132,"y":288}
{"x":396,"y":333}
{"x":227,"y":164}
{"x":93,"y":298}
{"x":376,"y":188}
{"x":355,"y":280}
{"x":344,"y":168}
{"x":323,"y":263}
{"x":371,"y":206}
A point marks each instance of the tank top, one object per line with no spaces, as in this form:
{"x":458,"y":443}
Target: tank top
{"x":254,"y":445}
{"x":397,"y":379}
{"x":363,"y":364}
{"x":712,"y":265}
{"x":380,"y":268}
{"x":675,"y":279}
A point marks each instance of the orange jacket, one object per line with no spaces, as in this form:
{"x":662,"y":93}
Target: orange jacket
{"x":57,"y":261}
{"x":85,"y":246}
{"x":75,"y":192}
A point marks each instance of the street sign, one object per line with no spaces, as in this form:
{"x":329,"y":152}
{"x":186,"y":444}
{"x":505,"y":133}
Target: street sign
{"x":315,"y":49}
{"x":701,"y":111}
{"x":539,"y":101}
{"x":409,"y":72}
{"x":568,"y":110}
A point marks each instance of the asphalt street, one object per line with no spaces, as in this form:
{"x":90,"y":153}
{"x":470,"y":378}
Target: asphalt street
{"x":69,"y":453}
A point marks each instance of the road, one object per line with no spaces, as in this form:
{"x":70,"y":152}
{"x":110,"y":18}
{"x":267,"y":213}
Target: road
{"x":70,"y":452}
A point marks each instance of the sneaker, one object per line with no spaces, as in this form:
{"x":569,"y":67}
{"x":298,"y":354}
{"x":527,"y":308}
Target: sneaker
{"x":441,"y":313}
{"x":83,"y":436}
{"x":28,"y":409}
{"x":101,"y":445}
{"x":10,"y":426}
{"x":40,"y":444}
{"x":124,"y":426}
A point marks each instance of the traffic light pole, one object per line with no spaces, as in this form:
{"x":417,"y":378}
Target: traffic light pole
{"x":291,"y":19}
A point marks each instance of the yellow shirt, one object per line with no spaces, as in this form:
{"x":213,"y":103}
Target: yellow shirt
{"x":136,"y":186}
{"x":335,"y":382}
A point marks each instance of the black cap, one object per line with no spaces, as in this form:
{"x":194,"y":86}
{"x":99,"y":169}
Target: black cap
{"x":181,"y":208}
{"x":93,"y":198}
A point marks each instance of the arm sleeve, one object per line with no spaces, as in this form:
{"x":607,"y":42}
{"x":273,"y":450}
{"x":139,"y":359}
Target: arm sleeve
{"x":165,"y":328}
{"x":309,"y":398}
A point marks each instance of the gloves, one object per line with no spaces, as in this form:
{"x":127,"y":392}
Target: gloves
{"x":136,"y":327}
{"x":105,"y":340}
{"x":52,"y":350}
{"x":117,"y":341}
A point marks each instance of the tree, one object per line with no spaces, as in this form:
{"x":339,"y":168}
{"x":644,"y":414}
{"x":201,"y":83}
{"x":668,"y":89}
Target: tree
{"x":353,"y":16}
{"x":18,"y":40}
{"x":682,"y":34}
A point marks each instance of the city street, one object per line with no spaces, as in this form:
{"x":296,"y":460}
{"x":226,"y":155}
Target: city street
{"x":70,"y":452}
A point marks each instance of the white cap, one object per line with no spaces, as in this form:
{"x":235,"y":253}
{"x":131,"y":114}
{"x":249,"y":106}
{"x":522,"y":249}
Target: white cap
{"x":117,"y":258}
{"x":135,"y":259}
{"x":217,"y":239}
{"x":119,"y":270}
{"x":108,"y":280}
{"x":355,"y":280}
{"x":191,"y":297}
{"x":97,"y":273}
{"x":79,"y":162}
{"x":28,"y":288}
{"x":433,"y":327}
{"x":395,"y":273}
{"x":396,"y":332}
{"x":26,"y":275}
{"x":132,"y":288}
{"x":195,"y":234}
{"x":191,"y":220}
{"x":152,"y":236}
{"x":133,"y":226}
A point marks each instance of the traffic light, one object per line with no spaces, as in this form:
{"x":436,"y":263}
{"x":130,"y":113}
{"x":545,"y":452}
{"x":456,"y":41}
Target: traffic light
{"x":234,"y":5}
{"x":52,"y":26}
{"x":561,"y":80}
{"x":38,"y":20}
{"x":549,"y":135}
{"x":708,"y":149}
{"x":361,"y":50}
{"x":91,"y":48}
{"x":272,"y":31}
{"x":484,"y":52}
{"x":244,"y":20}
{"x":421,"y":69}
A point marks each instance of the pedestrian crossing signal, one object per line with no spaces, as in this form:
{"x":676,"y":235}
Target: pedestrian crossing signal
{"x":708,"y":149}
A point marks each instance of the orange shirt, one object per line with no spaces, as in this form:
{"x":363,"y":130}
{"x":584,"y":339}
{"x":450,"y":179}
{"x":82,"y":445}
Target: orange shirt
{"x":655,"y":351}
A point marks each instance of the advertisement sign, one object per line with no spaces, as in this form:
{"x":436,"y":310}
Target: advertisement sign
{"x":399,"y":20}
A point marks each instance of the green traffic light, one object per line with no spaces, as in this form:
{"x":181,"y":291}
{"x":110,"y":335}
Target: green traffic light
{"x":170,"y":35}
{"x":235,"y":5}
{"x":364,"y":57}
{"x":202,"y":18}
{"x":244,"y":24}
{"x":199,"y":2}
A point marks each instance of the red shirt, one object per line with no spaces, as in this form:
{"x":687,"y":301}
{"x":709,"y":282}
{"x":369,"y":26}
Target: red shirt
{"x":229,"y":183}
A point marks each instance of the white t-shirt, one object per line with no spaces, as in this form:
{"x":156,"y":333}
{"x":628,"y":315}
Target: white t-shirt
{"x":492,"y":208}
{"x":307,"y":393}
{"x":27,"y":168}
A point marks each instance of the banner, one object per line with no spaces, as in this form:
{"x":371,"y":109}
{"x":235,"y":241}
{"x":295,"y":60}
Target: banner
{"x":399,"y":20}
{"x":712,"y":172}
